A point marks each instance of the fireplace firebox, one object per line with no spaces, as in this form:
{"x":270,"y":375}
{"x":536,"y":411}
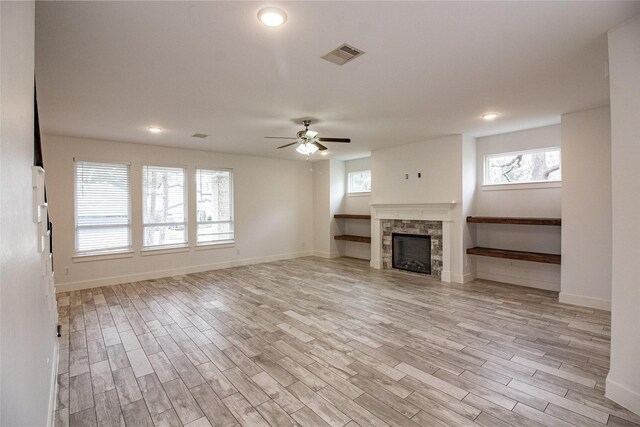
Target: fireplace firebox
{"x":411,"y":252}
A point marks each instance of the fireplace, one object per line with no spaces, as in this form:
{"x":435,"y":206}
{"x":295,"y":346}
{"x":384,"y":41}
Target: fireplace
{"x":411,"y":252}
{"x":429,"y":219}
{"x":429,"y":234}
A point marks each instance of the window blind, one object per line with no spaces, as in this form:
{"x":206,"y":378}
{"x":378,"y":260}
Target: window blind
{"x":214,"y":194}
{"x":164,"y":207}
{"x":102,"y":207}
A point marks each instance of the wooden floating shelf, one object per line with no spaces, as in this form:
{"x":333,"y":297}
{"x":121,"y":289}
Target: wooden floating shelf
{"x":519,"y":255}
{"x":352,"y":216}
{"x":350,"y":238}
{"x":514,"y":220}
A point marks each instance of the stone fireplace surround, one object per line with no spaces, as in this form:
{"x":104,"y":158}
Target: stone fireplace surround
{"x":418,"y":227}
{"x":420,"y":213}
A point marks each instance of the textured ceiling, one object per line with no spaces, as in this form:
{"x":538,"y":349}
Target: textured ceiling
{"x":108,"y":70}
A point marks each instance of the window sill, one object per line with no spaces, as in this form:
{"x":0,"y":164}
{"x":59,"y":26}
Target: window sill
{"x":363,"y":194}
{"x":221,"y":245}
{"x":102,"y":257}
{"x":522,"y":186}
{"x":164,"y":250}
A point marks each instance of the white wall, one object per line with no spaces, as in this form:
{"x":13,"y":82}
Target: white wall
{"x":321,"y":207}
{"x":623,"y":382}
{"x":523,"y":202}
{"x":438,"y":160}
{"x":27,"y":335}
{"x":440,"y":163}
{"x":356,"y":204}
{"x":336,"y":202}
{"x":328,"y":199}
{"x":586,"y":208}
{"x":272,"y":205}
{"x":469,"y":190}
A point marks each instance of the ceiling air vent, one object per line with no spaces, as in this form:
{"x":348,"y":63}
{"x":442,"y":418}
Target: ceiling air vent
{"x":199,"y":135}
{"x":343,"y":54}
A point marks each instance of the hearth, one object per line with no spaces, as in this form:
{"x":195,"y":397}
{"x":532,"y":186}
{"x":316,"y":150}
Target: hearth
{"x":411,"y":252}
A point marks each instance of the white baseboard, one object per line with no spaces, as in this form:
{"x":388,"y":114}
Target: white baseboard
{"x":461,"y":278}
{"x":584,"y":301}
{"x":469,"y":277}
{"x":455,"y":278}
{"x":53,"y":388}
{"x":520,"y":281}
{"x":116,"y":280}
{"x":445,"y":276}
{"x":622,"y":395}
{"x":328,"y":255}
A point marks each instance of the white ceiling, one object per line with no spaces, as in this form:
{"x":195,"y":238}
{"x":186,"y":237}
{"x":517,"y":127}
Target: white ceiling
{"x":108,"y":70}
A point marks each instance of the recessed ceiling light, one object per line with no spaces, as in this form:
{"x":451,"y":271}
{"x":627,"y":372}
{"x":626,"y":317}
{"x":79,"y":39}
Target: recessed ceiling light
{"x":272,"y":16}
{"x":324,"y":153}
{"x":154,"y":129}
{"x":489,"y":116}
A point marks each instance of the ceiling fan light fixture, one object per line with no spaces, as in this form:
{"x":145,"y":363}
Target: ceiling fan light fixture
{"x":272,"y":16}
{"x":306,"y":148}
{"x":308,"y":141}
{"x":490,"y":116}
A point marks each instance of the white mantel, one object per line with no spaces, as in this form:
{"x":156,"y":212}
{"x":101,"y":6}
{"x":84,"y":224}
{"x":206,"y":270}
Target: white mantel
{"x":442,"y":211}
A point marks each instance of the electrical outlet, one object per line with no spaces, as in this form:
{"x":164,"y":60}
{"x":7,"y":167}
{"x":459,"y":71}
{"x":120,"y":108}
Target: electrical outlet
{"x":237,"y":251}
{"x":303,"y":244}
{"x":406,"y":176}
{"x":66,"y":271}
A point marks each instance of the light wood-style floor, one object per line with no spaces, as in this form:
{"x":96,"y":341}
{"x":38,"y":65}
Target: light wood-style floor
{"x":316,"y":342}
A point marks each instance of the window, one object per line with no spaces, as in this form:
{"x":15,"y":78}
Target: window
{"x":214,"y":194}
{"x":359,"y":182}
{"x":164,"y":213}
{"x":522,"y":167}
{"x":102,"y":208}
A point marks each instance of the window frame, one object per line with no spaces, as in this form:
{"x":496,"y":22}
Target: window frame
{"x":105,"y":253}
{"x":523,"y":184}
{"x":231,"y":208}
{"x":357,"y":193}
{"x":185,"y":204}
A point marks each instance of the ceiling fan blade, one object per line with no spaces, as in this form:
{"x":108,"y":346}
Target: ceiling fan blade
{"x":320,"y":146}
{"x":279,"y":137}
{"x":287,"y":145}
{"x":334,"y":139}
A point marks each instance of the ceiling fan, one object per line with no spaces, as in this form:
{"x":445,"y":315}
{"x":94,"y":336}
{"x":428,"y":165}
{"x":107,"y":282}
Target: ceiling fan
{"x":308,"y":140}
